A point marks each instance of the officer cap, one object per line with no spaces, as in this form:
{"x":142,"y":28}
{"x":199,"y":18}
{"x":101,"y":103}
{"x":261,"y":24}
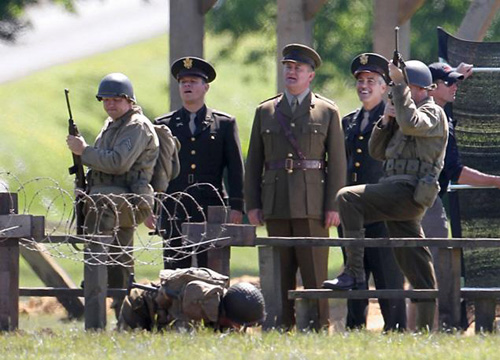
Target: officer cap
{"x":243,"y":304}
{"x":370,"y":62}
{"x":301,"y":53}
{"x":193,"y":66}
{"x":443,"y":71}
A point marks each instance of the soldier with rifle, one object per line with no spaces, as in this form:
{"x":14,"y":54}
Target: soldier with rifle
{"x":121,"y":166}
{"x":411,"y":141}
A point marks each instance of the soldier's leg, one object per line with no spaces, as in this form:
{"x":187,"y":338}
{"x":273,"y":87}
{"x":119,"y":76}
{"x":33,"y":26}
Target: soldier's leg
{"x":416,"y":264}
{"x":386,"y":275}
{"x":313,"y":263}
{"x":357,"y":310}
{"x":288,"y":271}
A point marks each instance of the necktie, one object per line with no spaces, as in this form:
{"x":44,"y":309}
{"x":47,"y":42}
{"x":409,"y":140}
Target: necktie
{"x":192,"y":122}
{"x":295,"y":103}
{"x":366,"y":120}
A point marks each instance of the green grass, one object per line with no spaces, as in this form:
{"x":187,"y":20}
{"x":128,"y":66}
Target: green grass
{"x":205,"y":344}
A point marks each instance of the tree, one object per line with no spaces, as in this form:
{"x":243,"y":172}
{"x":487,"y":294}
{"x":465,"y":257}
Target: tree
{"x":11,"y":12}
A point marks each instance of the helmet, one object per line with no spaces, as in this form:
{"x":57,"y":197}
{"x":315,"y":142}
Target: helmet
{"x":115,"y":85}
{"x":244,"y":304}
{"x":418,"y":74}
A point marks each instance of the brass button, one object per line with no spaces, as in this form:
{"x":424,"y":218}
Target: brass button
{"x":357,"y":164}
{"x":290,"y":155}
{"x":193,"y":166}
{"x":193,"y":139}
{"x":292,"y":124}
{"x":361,"y":137}
{"x":268,"y":131}
{"x":315,"y":131}
{"x":212,"y":137}
{"x":193,"y":152}
{"x":359,"y":151}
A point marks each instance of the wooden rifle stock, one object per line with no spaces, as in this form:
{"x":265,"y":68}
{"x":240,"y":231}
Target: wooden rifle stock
{"x":77,"y":170}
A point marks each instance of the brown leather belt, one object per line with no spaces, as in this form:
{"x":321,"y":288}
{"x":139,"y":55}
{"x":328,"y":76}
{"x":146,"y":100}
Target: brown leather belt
{"x":291,"y":164}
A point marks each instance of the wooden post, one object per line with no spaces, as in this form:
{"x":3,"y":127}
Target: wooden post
{"x":9,"y":270}
{"x":478,"y":19}
{"x":293,"y":27}
{"x":187,"y":24}
{"x":95,"y":287}
{"x":218,"y":259}
{"x":270,"y":284}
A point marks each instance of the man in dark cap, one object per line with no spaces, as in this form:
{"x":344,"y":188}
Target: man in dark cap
{"x":289,"y":185}
{"x":210,"y":146}
{"x":371,"y":73}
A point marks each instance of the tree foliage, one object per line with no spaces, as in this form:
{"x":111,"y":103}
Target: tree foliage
{"x":11,"y":16}
{"x":343,"y":29}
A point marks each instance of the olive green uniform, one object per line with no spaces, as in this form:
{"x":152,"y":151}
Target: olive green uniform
{"x":120,"y":162}
{"x":412,"y":148}
{"x":292,"y":196}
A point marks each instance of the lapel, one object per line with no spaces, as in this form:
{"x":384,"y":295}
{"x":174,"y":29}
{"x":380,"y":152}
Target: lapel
{"x":205,"y":123}
{"x":283,"y":106}
{"x":180,"y":124}
{"x":305,"y":106}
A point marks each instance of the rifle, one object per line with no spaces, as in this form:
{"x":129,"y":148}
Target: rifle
{"x":397,"y":58}
{"x":77,"y":170}
{"x":132,"y":284}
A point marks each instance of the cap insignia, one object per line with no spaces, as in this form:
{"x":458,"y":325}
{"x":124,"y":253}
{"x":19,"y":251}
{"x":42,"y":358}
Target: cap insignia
{"x":363,"y":59}
{"x":188,"y":63}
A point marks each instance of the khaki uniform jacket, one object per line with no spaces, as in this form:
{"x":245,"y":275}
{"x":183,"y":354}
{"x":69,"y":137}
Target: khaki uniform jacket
{"x":123,"y":156}
{"x":300,"y":194}
{"x":419,"y":133}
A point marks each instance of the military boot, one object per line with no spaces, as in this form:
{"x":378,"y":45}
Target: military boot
{"x":425,"y":315}
{"x":353,"y":276}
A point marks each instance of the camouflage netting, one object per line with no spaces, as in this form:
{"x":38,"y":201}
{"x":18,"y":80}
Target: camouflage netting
{"x":477,"y":114}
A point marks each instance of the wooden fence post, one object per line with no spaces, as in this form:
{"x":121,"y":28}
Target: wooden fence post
{"x":95,"y":286}
{"x":9,"y":270}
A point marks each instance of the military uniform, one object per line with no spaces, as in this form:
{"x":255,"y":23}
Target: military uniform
{"x":380,"y":262}
{"x":120,"y":162}
{"x":294,"y":194}
{"x":210,"y":149}
{"x":412,"y":147}
{"x":204,"y":156}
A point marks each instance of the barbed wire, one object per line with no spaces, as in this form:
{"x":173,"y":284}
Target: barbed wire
{"x":120,"y":217}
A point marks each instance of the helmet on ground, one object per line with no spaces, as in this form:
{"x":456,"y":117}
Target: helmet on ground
{"x":419,"y":74}
{"x":115,"y":85}
{"x":244,"y":304}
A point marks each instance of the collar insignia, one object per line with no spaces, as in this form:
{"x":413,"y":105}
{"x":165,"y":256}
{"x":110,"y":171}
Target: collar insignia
{"x":188,"y":63}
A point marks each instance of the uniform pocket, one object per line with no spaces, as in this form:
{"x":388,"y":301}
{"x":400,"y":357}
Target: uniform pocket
{"x":269,"y":134}
{"x":268,"y":192}
{"x":426,"y":191}
{"x":315,"y":192}
{"x":316,"y":133}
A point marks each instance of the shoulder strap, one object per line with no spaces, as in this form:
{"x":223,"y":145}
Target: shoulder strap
{"x":287,"y":131}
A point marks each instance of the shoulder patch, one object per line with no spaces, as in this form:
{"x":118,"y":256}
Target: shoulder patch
{"x":325,"y":99}
{"x":271,"y":98}
{"x":165,"y":118}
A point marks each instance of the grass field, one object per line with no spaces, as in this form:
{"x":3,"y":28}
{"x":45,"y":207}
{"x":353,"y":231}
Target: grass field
{"x":32,"y":145}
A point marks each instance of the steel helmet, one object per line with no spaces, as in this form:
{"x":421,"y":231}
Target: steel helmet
{"x":418,"y":74}
{"x":244,"y":304}
{"x":115,"y":85}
